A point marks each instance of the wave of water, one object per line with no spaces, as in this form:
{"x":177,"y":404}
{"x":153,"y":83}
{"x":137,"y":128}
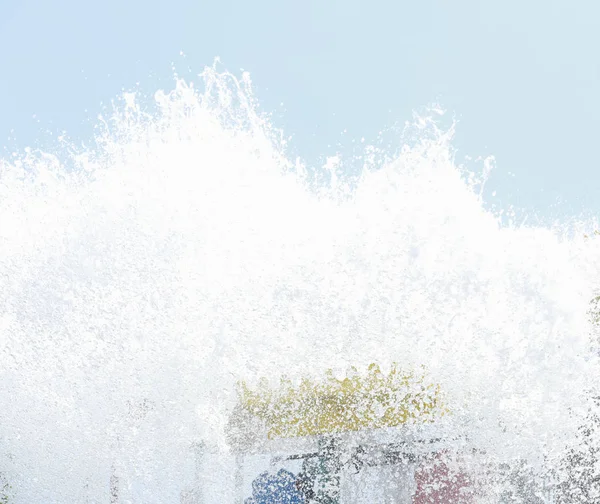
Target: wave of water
{"x":185,"y":251}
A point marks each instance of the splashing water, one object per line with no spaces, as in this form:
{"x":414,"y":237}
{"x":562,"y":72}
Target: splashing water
{"x":142,"y":279}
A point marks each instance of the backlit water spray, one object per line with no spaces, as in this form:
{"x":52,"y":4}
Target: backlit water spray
{"x":143,"y":278}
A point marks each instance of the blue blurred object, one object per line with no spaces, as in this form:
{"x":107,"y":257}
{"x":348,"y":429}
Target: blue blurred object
{"x":277,"y":488}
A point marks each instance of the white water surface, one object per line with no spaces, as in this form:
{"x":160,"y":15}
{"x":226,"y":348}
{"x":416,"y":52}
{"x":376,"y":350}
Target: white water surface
{"x":143,"y":276}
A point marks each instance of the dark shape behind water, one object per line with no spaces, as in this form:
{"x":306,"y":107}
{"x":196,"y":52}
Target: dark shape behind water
{"x":277,"y":488}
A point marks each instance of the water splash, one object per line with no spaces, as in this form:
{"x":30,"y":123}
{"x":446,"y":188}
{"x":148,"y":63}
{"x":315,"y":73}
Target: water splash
{"x":141,"y":279}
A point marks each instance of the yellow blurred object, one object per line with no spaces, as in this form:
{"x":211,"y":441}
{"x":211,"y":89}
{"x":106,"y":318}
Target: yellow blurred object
{"x":355,"y":403}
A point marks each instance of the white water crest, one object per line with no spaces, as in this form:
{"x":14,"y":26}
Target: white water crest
{"x":143,"y":277}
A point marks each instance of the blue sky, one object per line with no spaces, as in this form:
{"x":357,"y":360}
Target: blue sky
{"x":523,"y":77}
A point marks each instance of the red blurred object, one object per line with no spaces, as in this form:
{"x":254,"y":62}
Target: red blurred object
{"x":437,"y":484}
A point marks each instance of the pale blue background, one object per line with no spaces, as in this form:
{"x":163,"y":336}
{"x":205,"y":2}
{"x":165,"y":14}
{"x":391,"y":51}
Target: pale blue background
{"x":523,"y":76}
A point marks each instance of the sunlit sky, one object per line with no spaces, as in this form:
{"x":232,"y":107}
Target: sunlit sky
{"x":521,"y":77}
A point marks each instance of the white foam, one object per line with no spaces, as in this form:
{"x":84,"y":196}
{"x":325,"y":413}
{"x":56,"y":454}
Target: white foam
{"x":186,"y":252}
